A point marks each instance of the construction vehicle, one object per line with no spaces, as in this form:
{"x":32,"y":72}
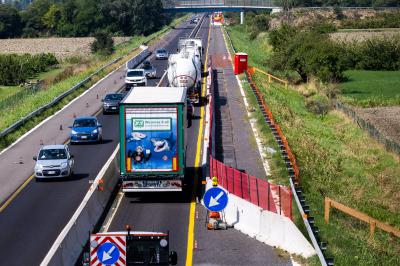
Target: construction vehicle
{"x":153,"y":123}
{"x":130,"y":248}
{"x":184,"y":68}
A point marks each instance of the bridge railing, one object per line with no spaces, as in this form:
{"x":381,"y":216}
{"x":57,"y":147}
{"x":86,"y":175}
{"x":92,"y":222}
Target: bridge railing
{"x":226,"y":3}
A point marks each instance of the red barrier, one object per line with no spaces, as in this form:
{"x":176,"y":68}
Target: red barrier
{"x":270,"y":197}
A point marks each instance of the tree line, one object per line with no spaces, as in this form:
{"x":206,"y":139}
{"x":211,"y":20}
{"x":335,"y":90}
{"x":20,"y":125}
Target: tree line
{"x":311,"y":52}
{"x":78,"y":18}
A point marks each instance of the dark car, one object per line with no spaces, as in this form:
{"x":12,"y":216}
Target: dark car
{"x":162,"y":54}
{"x":149,"y":70}
{"x":111,"y":102}
{"x":86,"y":129}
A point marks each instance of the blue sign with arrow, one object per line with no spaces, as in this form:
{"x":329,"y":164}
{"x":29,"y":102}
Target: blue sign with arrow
{"x":215,"y":199}
{"x":108,"y":253}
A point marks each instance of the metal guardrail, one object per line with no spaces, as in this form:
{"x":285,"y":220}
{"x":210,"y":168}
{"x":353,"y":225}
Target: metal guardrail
{"x":304,"y":209}
{"x":54,"y":101}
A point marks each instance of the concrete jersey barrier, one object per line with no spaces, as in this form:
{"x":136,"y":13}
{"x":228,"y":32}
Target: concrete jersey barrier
{"x":134,"y":62}
{"x":267,"y":227}
{"x":68,"y":245}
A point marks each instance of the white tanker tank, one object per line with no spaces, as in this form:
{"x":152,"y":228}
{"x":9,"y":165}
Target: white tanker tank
{"x":184,"y":68}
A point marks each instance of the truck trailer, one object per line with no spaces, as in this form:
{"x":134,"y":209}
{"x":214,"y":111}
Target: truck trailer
{"x":184,"y":68}
{"x":153,"y":123}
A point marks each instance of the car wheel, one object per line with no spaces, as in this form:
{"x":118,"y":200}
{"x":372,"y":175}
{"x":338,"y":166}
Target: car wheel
{"x":104,"y":112}
{"x":38,"y":180}
{"x":100,"y":139}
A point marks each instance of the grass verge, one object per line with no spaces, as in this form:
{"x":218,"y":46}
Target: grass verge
{"x":371,"y":88}
{"x":7,"y":91}
{"x":338,"y":160}
{"x":16,"y":112}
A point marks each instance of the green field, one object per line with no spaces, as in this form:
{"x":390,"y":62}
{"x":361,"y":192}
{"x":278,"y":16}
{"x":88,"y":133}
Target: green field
{"x":339,"y":160}
{"x":371,"y":88}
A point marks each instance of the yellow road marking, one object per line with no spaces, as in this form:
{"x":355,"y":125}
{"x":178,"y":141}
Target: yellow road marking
{"x":190,"y":242}
{"x":10,"y":199}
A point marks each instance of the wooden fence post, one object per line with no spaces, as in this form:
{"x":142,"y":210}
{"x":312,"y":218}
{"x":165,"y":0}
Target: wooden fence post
{"x":372,"y":225}
{"x":327,"y":209}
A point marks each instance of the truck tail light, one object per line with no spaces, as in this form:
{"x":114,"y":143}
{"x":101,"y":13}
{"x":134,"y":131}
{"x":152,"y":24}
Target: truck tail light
{"x":128,"y":164}
{"x":174,"y":164}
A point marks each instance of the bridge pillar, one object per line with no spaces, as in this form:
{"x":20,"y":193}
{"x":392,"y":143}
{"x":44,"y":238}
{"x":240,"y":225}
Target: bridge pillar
{"x":242,"y":17}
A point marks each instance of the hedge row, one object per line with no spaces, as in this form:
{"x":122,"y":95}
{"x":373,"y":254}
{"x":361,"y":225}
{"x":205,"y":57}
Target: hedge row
{"x":16,"y":69}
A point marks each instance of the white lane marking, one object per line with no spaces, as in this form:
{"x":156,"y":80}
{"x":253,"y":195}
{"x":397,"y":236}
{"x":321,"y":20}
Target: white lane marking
{"x":162,"y":78}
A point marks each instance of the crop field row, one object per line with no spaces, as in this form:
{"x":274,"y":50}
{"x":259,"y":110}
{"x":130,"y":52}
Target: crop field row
{"x":60,"y":47}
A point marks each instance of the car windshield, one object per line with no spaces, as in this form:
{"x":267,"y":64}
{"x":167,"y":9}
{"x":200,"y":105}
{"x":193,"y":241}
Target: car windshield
{"x":135,"y":73}
{"x":85,"y":123}
{"x":52,"y":154}
{"x":114,"y":97}
{"x":161,"y":51}
{"x":147,"y":67}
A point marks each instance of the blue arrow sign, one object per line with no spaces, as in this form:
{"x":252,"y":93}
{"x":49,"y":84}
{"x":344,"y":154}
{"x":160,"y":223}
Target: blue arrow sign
{"x":108,"y":253}
{"x":215,"y":199}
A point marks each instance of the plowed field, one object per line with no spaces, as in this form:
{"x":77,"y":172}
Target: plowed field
{"x":61,"y":47}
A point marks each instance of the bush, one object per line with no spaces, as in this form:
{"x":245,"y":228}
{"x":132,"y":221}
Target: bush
{"x":16,"y":69}
{"x":103,"y":44}
{"x":318,"y":104}
{"x":258,"y":24}
{"x":373,"y":54}
{"x":308,"y":53}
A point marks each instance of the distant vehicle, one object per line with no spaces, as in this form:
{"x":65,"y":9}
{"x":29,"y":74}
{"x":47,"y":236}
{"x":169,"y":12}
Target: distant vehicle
{"x":153,"y":139}
{"x":53,"y":161}
{"x":111,"y":102}
{"x":149,"y":70}
{"x":135,"y":77}
{"x":184,"y":68}
{"x":162,"y":54}
{"x":139,"y":248}
{"x":86,"y":129}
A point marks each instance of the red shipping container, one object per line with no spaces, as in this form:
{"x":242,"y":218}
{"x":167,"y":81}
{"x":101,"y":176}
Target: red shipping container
{"x":240,"y":63}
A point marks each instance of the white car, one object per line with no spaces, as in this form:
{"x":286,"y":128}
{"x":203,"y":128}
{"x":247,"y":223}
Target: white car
{"x":53,"y":161}
{"x":135,"y":77}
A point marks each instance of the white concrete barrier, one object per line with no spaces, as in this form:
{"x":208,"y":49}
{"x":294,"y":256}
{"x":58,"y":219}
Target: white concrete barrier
{"x":137,"y":59}
{"x":267,"y":227}
{"x":72,"y":239}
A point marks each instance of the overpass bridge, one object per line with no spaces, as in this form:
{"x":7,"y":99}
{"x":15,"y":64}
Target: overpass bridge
{"x":219,"y":6}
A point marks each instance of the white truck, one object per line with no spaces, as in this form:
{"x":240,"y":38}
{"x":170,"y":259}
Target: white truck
{"x":184,"y":68}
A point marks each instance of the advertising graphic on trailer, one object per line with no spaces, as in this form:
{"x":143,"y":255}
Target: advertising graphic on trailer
{"x":151,"y":139}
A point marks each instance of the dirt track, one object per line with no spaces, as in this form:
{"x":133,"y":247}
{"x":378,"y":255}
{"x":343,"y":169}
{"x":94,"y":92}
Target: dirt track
{"x":385,"y":119}
{"x":61,"y":47}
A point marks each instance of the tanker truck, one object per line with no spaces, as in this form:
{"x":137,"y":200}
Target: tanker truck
{"x":184,"y":68}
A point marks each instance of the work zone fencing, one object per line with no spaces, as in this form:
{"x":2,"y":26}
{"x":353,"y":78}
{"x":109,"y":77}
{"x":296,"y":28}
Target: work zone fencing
{"x":371,"y":129}
{"x":270,"y":197}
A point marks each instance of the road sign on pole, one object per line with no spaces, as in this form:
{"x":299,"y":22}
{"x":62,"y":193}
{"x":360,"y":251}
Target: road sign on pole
{"x":215,"y":199}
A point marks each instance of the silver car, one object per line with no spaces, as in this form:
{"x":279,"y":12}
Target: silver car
{"x":53,"y":161}
{"x":162,"y":54}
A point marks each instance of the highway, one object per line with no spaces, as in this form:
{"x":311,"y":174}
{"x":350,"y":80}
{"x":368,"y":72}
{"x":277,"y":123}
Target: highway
{"x":166,"y":211}
{"x":33,"y":219}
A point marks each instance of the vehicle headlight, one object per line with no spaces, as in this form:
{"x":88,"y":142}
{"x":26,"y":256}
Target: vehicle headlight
{"x":95,"y":131}
{"x":64,"y":165}
{"x":73,"y":132}
{"x":106,"y":104}
{"x":38,"y":166}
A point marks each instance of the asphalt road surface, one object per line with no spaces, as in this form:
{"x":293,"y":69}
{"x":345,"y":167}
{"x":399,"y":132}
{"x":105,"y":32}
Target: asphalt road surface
{"x":164,"y":212}
{"x":32,"y":221}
